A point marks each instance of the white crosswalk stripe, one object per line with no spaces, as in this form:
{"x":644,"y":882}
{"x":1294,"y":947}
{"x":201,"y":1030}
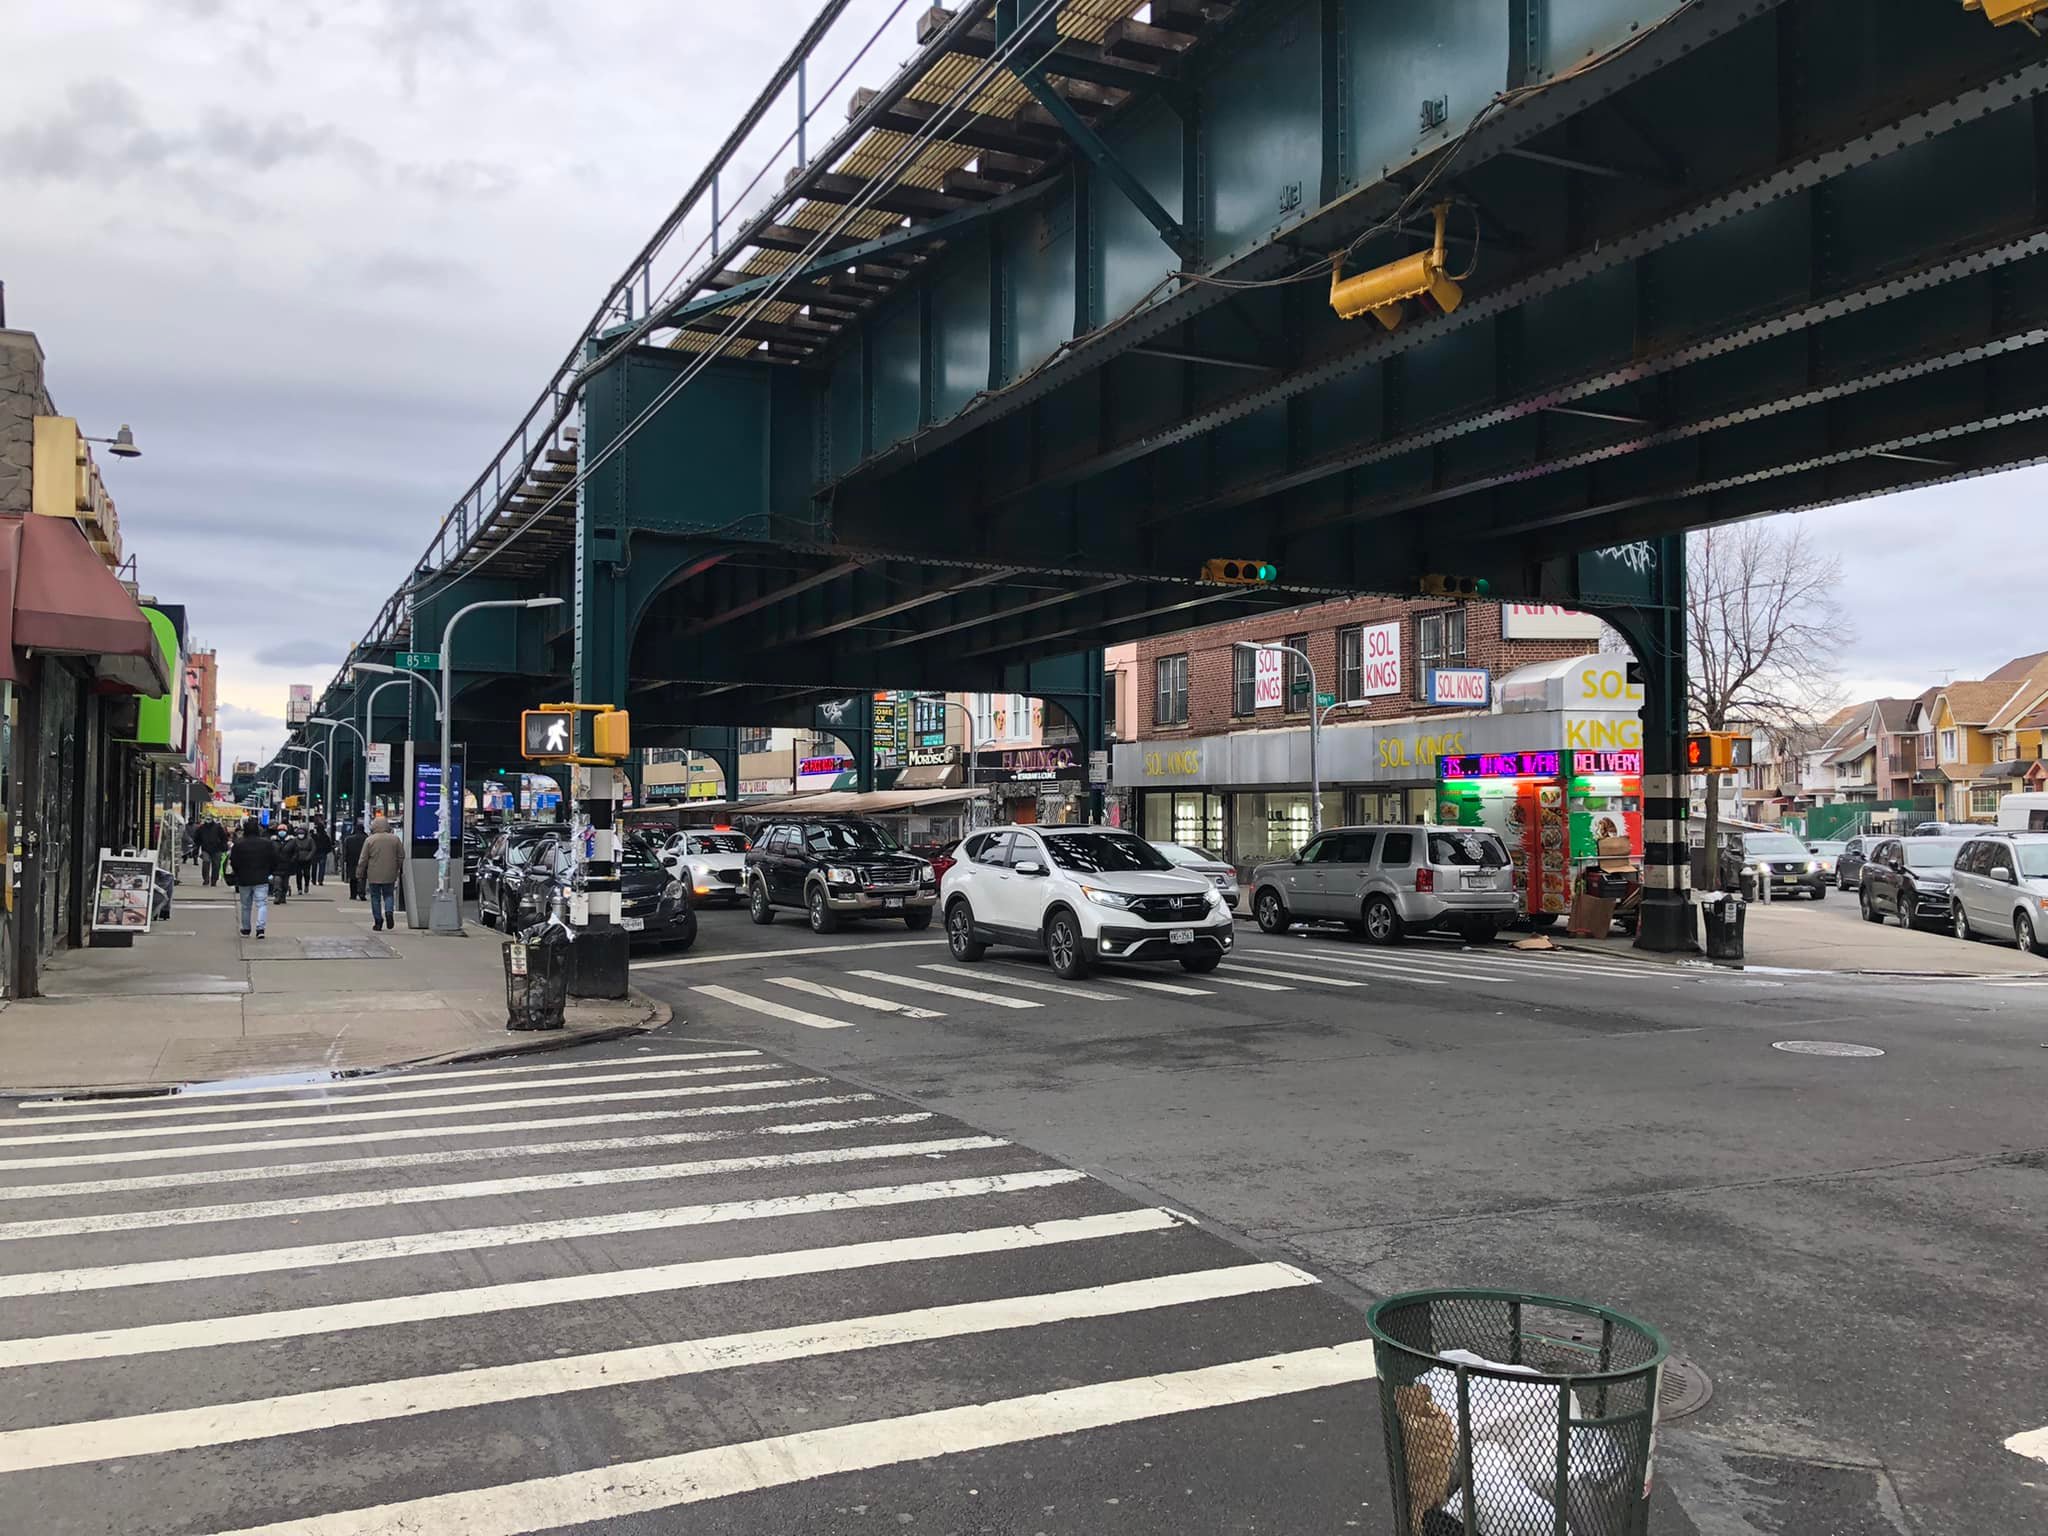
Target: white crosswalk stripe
{"x":1010,"y":978}
{"x":1219,"y":978}
{"x":769,"y":1008}
{"x":1172,"y":988}
{"x":966,"y":994}
{"x":855,"y":1319}
{"x":858,"y":999}
{"x":1260,"y":968}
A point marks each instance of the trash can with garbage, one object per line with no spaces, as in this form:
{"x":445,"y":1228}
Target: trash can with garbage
{"x":1515,"y":1415}
{"x":537,"y":975}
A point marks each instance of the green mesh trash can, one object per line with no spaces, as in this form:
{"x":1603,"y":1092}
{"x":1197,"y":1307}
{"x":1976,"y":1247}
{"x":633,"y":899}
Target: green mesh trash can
{"x":1516,"y":1415}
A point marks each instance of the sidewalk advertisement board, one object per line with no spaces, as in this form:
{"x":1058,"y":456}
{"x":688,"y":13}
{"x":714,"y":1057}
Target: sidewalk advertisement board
{"x":124,"y":893}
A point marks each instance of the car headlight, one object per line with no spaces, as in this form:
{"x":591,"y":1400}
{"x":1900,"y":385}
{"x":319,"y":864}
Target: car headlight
{"x":1217,"y":903}
{"x":926,"y":876}
{"x":839,"y":876}
{"x":1102,"y":898}
{"x":1812,"y":867}
{"x":675,"y":890}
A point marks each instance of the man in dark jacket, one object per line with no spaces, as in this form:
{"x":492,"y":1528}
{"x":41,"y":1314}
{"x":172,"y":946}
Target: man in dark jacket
{"x":323,"y":850}
{"x":212,"y":840}
{"x":251,"y":863}
{"x":351,"y":850}
{"x":281,"y":882}
{"x":302,"y":857}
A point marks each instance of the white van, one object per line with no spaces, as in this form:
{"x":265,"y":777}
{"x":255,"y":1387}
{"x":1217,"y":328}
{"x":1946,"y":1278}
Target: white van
{"x":2023,"y":813}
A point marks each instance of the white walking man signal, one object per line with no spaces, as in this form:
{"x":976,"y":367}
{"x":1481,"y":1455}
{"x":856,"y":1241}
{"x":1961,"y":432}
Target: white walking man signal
{"x":557,"y":739}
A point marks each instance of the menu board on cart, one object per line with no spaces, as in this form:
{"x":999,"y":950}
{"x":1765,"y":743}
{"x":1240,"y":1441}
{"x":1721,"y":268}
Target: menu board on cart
{"x":124,"y":894}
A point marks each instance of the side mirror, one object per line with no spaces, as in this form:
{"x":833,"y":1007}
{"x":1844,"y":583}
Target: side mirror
{"x":1029,"y":867}
{"x":2000,"y":872}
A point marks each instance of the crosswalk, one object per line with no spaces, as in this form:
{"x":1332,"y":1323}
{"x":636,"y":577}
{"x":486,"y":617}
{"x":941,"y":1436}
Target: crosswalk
{"x":533,"y":1296}
{"x":906,"y":987}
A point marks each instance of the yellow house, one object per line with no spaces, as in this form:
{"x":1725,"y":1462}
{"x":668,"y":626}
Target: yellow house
{"x":1979,"y":741}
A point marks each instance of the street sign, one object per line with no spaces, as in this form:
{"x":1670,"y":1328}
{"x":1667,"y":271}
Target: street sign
{"x":1098,"y":767}
{"x":1325,"y":700}
{"x":419,"y":661}
{"x":546,"y":733}
{"x":380,"y":761}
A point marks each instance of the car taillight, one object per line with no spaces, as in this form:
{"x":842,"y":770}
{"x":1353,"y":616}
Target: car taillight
{"x":1425,"y":879}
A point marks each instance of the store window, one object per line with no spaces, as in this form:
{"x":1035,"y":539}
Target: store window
{"x":1299,"y":694}
{"x":1190,"y":817}
{"x":1244,"y":688}
{"x":752,"y":740}
{"x":1170,"y":691}
{"x":1439,"y":642}
{"x":1273,"y":825}
{"x":1000,"y":716}
{"x":1350,"y":663}
{"x":1984,"y":802}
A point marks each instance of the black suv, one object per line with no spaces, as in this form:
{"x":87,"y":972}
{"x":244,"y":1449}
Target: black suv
{"x":836,"y":867}
{"x":1910,"y":878}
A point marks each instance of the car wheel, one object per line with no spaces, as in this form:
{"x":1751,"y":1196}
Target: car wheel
{"x":919,"y":920}
{"x":1382,"y":922}
{"x":1201,"y":965}
{"x":1959,"y":921}
{"x":2023,"y":934}
{"x":823,"y":918}
{"x":687,"y":934}
{"x":1909,"y":911}
{"x":1271,"y":912}
{"x":1063,"y":947}
{"x":1820,"y":893}
{"x":960,"y":937}
{"x":1870,"y":912}
{"x":759,"y":907}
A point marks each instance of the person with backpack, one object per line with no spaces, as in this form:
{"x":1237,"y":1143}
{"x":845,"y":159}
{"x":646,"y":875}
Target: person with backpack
{"x":252,"y":862}
{"x":212,"y":841}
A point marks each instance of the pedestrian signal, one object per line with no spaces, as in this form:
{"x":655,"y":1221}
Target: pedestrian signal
{"x":547,"y":733}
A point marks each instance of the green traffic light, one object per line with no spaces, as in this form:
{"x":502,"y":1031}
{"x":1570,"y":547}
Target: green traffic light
{"x":1267,"y":573}
{"x":1482,"y":586}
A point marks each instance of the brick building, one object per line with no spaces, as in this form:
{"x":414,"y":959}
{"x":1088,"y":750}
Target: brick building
{"x":1217,"y":751}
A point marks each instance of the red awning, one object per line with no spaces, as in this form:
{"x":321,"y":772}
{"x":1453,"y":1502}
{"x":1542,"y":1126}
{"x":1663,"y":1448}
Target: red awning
{"x":61,"y":599}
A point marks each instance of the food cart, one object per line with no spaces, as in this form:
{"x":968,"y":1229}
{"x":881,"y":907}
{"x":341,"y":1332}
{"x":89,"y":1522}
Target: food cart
{"x":1561,"y":812}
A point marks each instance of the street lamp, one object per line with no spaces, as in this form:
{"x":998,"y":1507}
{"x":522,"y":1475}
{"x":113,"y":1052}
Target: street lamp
{"x":305,"y":773}
{"x":121,"y":445}
{"x":370,"y":715}
{"x":332,"y":725}
{"x":447,"y":911}
{"x":400,"y":674}
{"x":973,"y":746}
{"x":1315,"y":729}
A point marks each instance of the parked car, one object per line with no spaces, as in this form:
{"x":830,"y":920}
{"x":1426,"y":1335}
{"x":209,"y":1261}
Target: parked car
{"x":1946,"y":829}
{"x":1218,"y":871}
{"x":1827,"y":853}
{"x":654,"y":906}
{"x":1388,"y":882}
{"x":1849,"y":862}
{"x":1080,"y":895}
{"x":2001,"y":889}
{"x":1909,"y":878}
{"x":836,"y":867}
{"x":713,"y":864}
{"x":940,"y":856}
{"x":500,"y":863}
{"x":1781,"y":859}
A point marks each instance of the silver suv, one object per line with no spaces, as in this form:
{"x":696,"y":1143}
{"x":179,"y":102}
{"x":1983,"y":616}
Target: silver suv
{"x":2001,"y":889}
{"x":1388,"y":882}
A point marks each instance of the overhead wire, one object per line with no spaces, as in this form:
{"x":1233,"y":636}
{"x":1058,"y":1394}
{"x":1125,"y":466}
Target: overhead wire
{"x":884,"y":178}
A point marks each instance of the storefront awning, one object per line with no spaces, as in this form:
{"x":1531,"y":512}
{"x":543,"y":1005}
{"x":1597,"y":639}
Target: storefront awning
{"x":58,"y":597}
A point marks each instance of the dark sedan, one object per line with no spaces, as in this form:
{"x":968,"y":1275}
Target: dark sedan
{"x":1850,"y":860}
{"x":1909,"y":878}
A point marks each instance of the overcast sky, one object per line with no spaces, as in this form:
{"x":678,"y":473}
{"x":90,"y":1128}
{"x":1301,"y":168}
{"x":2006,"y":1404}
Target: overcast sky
{"x":322,"y":257}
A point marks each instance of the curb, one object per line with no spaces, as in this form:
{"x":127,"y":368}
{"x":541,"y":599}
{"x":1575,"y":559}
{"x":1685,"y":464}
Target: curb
{"x":655,"y":1015}
{"x":1696,"y":961}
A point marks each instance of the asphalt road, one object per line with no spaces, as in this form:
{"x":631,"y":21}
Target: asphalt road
{"x":870,"y":1241}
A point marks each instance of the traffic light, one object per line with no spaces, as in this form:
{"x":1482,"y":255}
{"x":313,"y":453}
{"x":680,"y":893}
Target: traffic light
{"x":1463,"y":587}
{"x":2001,"y":12}
{"x":611,"y":734}
{"x":1717,"y":751}
{"x":547,"y":734}
{"x":1241,"y":573}
{"x":1385,"y":292}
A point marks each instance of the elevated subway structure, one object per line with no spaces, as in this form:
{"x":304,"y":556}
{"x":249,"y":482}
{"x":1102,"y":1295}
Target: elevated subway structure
{"x":1048,"y":325}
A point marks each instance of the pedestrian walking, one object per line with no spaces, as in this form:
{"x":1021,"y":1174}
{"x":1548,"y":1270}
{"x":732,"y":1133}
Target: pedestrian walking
{"x":378,"y":867}
{"x":212,"y":841}
{"x":323,"y":850}
{"x":351,"y":850}
{"x":281,"y":881}
{"x":302,"y":857}
{"x":251,"y":864}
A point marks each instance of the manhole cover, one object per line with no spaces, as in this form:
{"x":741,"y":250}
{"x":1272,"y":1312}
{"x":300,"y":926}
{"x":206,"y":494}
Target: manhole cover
{"x":1824,"y":1048}
{"x":1683,"y":1388}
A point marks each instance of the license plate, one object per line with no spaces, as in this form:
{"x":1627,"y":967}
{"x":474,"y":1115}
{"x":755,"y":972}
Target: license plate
{"x":1481,"y":881}
{"x":892,"y":903}
{"x":1183,"y":935}
{"x":633,"y":924}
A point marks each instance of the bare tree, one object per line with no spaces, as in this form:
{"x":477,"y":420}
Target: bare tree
{"x":1764,"y":635}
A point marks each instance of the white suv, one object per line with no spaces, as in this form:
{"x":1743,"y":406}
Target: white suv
{"x":1080,"y":894}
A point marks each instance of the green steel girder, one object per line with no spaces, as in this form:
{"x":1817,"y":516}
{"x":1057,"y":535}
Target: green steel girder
{"x":1651,"y":299}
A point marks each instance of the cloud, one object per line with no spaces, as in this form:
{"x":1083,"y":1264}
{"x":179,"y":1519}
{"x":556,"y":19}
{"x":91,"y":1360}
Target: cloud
{"x":395,"y":268}
{"x":238,"y":717}
{"x":301,"y":653}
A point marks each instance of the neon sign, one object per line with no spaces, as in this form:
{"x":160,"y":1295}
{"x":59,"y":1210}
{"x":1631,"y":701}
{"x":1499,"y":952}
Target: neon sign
{"x":1498,"y":765}
{"x":1607,"y":762}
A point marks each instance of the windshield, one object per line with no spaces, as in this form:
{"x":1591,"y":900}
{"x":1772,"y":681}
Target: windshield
{"x":1181,"y":853}
{"x":1103,"y":853}
{"x":1472,"y":848}
{"x":2034,"y":860}
{"x":1930,"y":852}
{"x":1829,"y":850}
{"x":522,"y":853}
{"x":847,"y":837}
{"x":638,"y":853}
{"x":1773,"y":845}
{"x":719,"y":842}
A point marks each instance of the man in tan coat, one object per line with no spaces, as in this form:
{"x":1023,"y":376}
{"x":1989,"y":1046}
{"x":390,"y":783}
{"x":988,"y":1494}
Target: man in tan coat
{"x":378,"y":866}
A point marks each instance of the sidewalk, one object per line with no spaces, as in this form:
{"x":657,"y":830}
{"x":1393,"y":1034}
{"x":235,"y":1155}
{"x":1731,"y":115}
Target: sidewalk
{"x":1831,"y":935}
{"x":194,"y":1001}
